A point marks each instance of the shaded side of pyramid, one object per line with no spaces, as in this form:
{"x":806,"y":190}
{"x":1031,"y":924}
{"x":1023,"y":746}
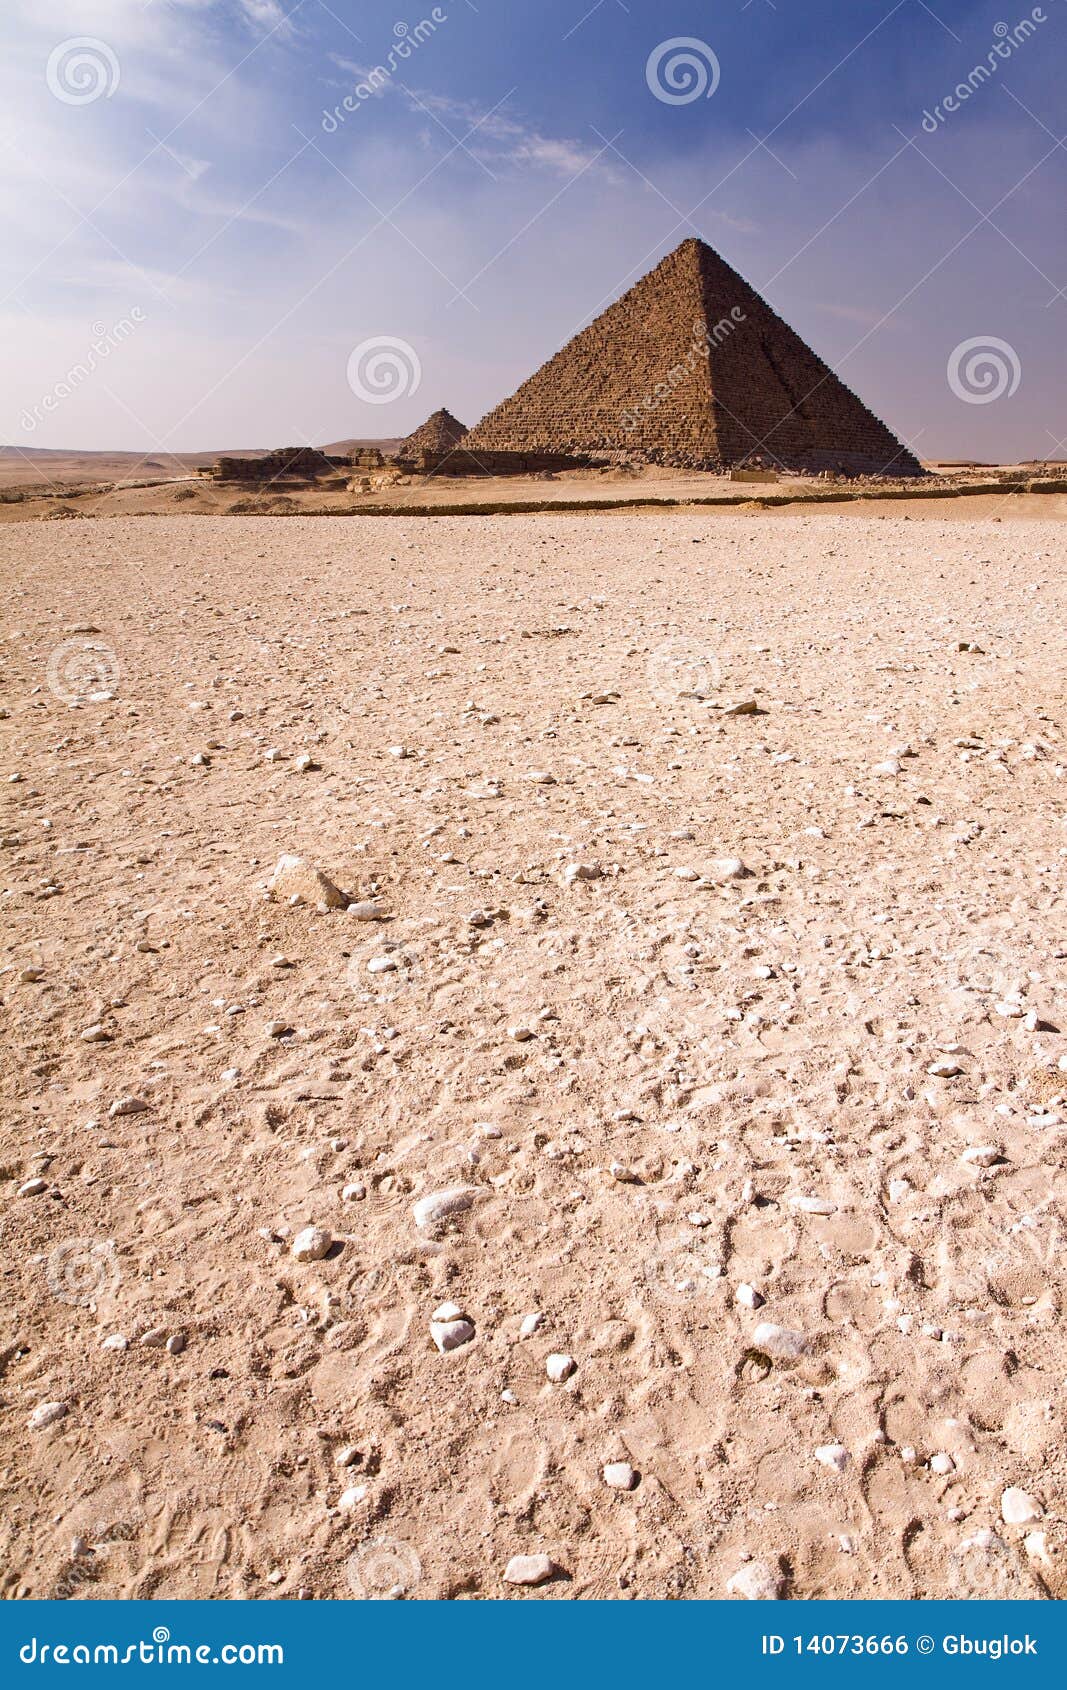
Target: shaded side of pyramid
{"x":438,"y":433}
{"x":691,"y":368}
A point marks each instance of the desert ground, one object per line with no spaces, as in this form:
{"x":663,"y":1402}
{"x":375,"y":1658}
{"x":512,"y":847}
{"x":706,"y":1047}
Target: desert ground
{"x":698,"y":932}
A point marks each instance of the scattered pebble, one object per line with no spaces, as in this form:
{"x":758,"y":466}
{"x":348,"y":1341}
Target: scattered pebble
{"x":312,"y":1244}
{"x":755,"y":1582}
{"x":619,"y":1475}
{"x":528,"y":1569}
{"x":1018,"y":1508}
{"x":559,"y":1368}
{"x":46,"y":1414}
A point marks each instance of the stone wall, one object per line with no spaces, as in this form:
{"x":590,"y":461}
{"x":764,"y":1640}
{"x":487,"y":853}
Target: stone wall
{"x":460,"y":461}
{"x":299,"y":462}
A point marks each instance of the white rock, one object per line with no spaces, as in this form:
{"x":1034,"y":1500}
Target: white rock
{"x":354,"y":1192}
{"x":530,"y":1324}
{"x":582,"y":871}
{"x":944,"y":1070}
{"x":834,"y":1456}
{"x":520,"y":1033}
{"x":367,"y":909}
{"x":813,"y":1205}
{"x":451,"y":1334}
{"x":624,"y":1175}
{"x":448,"y":1311}
{"x":755,"y":1582}
{"x":528,"y":1569}
{"x":303,"y":763}
{"x":32,"y":1188}
{"x":350,"y":1497}
{"x":982,"y":1155}
{"x":115,"y":1342}
{"x":296,"y":881}
{"x":46,"y":1414}
{"x":312,"y":1244}
{"x":97,"y":1034}
{"x":619,"y":1475}
{"x":438,"y":1206}
{"x":748,"y":1297}
{"x":727,"y":868}
{"x":384,"y":964}
{"x":128,"y":1106}
{"x":780,"y":1342}
{"x":1017,"y":1508}
{"x":1036,"y":1546}
{"x":559,"y":1368}
{"x":942,"y":1463}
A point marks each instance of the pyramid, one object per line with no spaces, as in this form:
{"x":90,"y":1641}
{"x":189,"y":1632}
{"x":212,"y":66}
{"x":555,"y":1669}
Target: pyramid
{"x":439,"y":433}
{"x":692,"y":368}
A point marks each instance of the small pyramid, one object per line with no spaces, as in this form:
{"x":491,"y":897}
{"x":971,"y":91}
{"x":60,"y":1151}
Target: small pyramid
{"x":691,"y":368}
{"x":439,"y":433}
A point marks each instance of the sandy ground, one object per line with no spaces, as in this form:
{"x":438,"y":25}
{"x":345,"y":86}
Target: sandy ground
{"x":777,"y":1156}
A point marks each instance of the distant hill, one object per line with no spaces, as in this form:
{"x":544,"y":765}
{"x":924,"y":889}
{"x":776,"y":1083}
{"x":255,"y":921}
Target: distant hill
{"x":53,"y":466}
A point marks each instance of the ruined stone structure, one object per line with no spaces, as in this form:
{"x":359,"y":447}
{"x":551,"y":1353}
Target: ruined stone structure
{"x":299,"y":463}
{"x":692,"y":368}
{"x":438,"y":433}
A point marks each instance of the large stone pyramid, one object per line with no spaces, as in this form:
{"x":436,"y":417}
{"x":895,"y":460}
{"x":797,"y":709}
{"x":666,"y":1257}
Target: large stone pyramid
{"x":439,"y":433}
{"x":692,"y":368}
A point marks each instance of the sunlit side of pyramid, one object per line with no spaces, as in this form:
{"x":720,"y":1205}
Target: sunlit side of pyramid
{"x":692,"y":368}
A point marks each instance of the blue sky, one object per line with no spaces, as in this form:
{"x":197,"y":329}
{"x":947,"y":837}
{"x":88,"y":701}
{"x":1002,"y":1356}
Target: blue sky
{"x":195,"y":246}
